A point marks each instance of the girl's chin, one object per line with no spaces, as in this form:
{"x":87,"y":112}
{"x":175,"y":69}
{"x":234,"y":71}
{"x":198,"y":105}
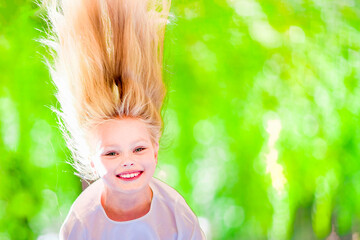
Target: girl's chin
{"x":127,"y":187}
{"x":131,"y":192}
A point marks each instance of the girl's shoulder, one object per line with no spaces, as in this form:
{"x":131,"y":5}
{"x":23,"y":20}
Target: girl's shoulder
{"x":163,"y":191}
{"x":85,"y":203}
{"x":83,"y":207}
{"x":172,"y":202}
{"x":88,"y":199}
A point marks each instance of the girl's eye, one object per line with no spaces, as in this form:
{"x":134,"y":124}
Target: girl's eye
{"x":110,"y":154}
{"x":139,"y":149}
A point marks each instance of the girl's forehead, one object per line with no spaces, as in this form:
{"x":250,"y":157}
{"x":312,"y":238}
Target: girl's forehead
{"x":125,"y":130}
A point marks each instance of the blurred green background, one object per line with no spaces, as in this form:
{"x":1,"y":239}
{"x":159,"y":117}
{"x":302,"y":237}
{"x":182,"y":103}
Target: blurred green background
{"x":261,"y":121}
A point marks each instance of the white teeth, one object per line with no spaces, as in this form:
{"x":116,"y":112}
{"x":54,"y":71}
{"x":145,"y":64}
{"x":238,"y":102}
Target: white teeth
{"x":129,"y":175}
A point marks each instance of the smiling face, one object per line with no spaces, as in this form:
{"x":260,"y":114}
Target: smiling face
{"x":125,"y":156}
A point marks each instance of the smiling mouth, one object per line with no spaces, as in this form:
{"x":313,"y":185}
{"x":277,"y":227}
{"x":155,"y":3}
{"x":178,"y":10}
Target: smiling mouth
{"x":129,"y":176}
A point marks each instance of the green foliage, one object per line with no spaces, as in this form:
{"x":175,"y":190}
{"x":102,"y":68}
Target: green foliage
{"x":261,"y":121}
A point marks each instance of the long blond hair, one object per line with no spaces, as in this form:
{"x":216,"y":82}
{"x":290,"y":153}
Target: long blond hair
{"x":107,"y":64}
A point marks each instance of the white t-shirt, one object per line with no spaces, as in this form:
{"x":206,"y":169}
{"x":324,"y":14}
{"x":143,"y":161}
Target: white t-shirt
{"x":169,"y":218}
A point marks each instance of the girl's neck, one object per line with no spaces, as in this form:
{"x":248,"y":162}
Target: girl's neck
{"x":122,"y":207}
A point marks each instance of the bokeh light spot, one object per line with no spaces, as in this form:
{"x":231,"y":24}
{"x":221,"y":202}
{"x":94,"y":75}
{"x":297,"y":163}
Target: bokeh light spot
{"x":205,"y":58}
{"x":4,"y":236}
{"x":9,"y":119}
{"x":234,"y":216}
{"x":169,"y":174}
{"x":265,"y":34}
{"x":204,"y":132}
{"x":247,"y":8}
{"x":296,"y":34}
{"x":42,"y":153}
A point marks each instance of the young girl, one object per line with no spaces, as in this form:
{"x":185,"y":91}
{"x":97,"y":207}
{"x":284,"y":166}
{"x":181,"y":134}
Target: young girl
{"x":108,"y":71}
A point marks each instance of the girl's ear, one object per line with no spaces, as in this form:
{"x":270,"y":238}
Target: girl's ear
{"x":92,"y":164}
{"x":156,"y":151}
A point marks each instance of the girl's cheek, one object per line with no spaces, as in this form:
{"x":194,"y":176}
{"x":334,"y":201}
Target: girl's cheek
{"x":148,"y":158}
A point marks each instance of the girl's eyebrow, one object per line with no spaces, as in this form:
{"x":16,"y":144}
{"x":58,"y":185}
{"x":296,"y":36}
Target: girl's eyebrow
{"x":139,"y":140}
{"x":111,"y":146}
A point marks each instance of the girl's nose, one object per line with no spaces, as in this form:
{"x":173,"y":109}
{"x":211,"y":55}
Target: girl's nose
{"x":127,"y":163}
